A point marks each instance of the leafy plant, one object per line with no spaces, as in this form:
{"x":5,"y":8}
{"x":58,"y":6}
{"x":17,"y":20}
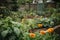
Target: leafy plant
{"x":4,"y":12}
{"x":56,"y":18}
{"x":47,"y":36}
{"x":8,"y":29}
{"x":47,"y":22}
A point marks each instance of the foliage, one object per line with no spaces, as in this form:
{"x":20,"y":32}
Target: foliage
{"x":47,"y":36}
{"x":47,"y":22}
{"x":15,"y":5}
{"x":24,"y":1}
{"x":4,"y":12}
{"x":15,"y":26}
{"x":33,"y":23}
{"x":11,"y":30}
{"x":56,"y":18}
{"x":8,"y":30}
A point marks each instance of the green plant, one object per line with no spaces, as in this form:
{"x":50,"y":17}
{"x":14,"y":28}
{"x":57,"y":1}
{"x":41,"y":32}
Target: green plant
{"x":47,"y":36}
{"x":33,"y":23}
{"x":47,"y":22}
{"x":4,"y":12}
{"x":9,"y":30}
{"x":56,"y":18}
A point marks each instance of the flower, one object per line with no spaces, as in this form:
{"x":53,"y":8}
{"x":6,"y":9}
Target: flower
{"x":23,"y":20}
{"x":41,"y":16}
{"x":50,"y":30}
{"x":32,"y":35}
{"x":40,"y":25}
{"x":42,"y":32}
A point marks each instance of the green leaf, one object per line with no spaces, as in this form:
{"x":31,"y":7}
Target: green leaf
{"x":12,"y":38}
{"x":17,"y":31}
{"x":1,"y":22}
{"x":4,"y":33}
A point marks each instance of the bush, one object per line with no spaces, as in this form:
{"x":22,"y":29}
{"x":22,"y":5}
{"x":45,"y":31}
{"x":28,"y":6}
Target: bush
{"x":4,"y":12}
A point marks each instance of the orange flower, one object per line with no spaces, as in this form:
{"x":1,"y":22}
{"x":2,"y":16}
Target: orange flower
{"x":40,"y":25}
{"x":50,"y":30}
{"x":32,"y":35}
{"x":23,"y":20}
{"x":42,"y":32}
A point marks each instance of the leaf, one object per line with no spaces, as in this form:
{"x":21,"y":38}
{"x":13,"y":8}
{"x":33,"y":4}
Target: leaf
{"x":12,"y":38}
{"x":4,"y":33}
{"x":17,"y":31}
{"x":1,"y":22}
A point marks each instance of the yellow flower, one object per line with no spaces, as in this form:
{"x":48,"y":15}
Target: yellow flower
{"x":41,"y":16}
{"x":50,"y":30}
{"x":32,"y":35}
{"x":42,"y":32}
{"x":40,"y":25}
{"x":23,"y":20}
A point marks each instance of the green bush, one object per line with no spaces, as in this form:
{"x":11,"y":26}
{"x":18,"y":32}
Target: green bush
{"x":10,"y":30}
{"x":56,"y":18}
{"x":4,"y":12}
